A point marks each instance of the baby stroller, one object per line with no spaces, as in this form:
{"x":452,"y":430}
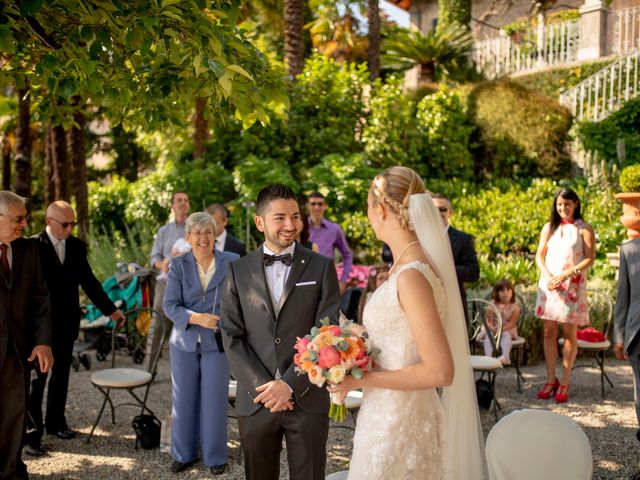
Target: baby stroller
{"x":130,"y":288}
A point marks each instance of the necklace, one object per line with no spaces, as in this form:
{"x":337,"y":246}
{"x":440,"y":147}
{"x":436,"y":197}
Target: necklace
{"x":415,"y":242}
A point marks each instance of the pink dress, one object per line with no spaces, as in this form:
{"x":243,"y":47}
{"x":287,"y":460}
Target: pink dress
{"x":567,"y":303}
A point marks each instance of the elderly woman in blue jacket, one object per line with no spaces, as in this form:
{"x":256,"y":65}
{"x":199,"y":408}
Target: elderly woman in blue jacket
{"x":199,"y":369}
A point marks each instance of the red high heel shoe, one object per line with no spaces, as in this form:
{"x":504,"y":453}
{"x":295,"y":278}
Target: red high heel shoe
{"x":562,"y":394}
{"x":548,"y":390}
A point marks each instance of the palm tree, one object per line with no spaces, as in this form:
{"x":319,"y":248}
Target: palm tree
{"x":294,"y":36}
{"x":373,"y":16}
{"x":440,"y":51}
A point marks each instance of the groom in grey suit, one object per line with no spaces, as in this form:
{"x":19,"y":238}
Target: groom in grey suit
{"x":626,"y":327}
{"x":273,"y":295}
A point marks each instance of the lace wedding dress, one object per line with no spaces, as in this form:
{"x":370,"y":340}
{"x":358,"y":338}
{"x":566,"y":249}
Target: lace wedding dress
{"x":399,"y":435}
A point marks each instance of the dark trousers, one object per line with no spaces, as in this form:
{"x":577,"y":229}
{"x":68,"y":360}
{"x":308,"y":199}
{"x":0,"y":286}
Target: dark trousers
{"x":13,"y":401}
{"x":306,"y":436}
{"x":56,"y":395}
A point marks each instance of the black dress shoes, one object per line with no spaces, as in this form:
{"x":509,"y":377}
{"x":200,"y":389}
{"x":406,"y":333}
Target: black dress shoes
{"x":34,"y":450}
{"x":65,"y":434}
{"x":177,"y":467}
{"x":217,"y":469}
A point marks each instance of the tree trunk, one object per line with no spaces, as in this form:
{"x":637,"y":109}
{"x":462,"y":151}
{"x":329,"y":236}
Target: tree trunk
{"x":22,"y":183}
{"x":294,"y":36}
{"x":373,"y":16}
{"x":200,"y":128}
{"x":79,"y":162}
{"x":60,"y":163}
{"x":49,"y":188}
{"x":6,"y":163}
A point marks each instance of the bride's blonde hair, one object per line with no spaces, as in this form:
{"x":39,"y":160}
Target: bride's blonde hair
{"x":394,"y":188}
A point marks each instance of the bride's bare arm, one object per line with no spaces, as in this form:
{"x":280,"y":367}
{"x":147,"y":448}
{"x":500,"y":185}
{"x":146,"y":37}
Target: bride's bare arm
{"x":435,"y":368}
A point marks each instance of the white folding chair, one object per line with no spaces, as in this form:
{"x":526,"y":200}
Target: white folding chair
{"x":600,"y":308}
{"x":477,"y":310}
{"x":130,"y":379}
{"x":338,"y":475}
{"x":538,"y":444}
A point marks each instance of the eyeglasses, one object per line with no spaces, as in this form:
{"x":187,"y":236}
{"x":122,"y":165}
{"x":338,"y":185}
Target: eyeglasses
{"x":17,"y":220}
{"x":64,"y":224}
{"x":443,"y":209}
{"x":207,"y":233}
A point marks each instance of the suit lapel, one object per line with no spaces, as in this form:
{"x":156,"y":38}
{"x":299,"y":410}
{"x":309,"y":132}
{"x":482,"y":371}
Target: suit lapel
{"x":51,"y":249}
{"x":259,"y":280}
{"x":17,"y":256}
{"x":300,"y":261}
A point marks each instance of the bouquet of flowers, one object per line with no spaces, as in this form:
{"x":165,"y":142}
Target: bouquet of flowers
{"x":330,"y":353}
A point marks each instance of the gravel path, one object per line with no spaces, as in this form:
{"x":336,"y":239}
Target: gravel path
{"x":610,"y":425}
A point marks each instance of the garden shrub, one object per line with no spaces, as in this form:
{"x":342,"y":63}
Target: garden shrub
{"x":253,"y":174}
{"x":445,"y":134}
{"x":327,"y":110}
{"x":389,"y":134}
{"x":630,"y":178}
{"x":522,"y":132}
{"x":108,"y":201}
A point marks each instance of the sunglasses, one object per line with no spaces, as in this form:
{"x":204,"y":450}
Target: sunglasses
{"x":64,"y":224}
{"x":443,"y":209}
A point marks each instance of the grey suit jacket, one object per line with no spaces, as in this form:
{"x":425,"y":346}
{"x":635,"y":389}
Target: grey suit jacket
{"x":258,"y":342}
{"x":627,"y":316}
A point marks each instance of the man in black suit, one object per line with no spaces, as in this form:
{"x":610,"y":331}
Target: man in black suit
{"x":273,"y":295}
{"x":225,"y":242}
{"x":464,"y":253}
{"x":25,"y":329}
{"x":65,"y":268}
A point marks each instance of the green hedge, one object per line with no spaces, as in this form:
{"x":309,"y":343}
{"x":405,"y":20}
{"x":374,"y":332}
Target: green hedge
{"x":557,"y":81}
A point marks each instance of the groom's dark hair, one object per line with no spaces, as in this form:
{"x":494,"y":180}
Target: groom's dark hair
{"x":275,"y":191}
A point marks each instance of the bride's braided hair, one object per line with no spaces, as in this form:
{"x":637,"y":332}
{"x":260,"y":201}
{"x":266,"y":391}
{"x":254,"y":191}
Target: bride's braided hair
{"x":394,"y":187}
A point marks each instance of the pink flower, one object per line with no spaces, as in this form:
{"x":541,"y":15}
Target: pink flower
{"x":335,"y":330}
{"x":329,"y":357}
{"x":364,"y":363}
{"x":301,"y":344}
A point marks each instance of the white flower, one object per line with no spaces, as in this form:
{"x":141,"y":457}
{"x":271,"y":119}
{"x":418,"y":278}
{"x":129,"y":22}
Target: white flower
{"x":316,"y":377}
{"x":336,"y":374}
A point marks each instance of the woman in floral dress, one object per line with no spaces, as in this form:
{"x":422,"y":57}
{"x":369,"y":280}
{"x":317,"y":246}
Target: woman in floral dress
{"x":566,"y":250}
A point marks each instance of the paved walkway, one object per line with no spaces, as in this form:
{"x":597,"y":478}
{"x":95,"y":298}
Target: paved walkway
{"x":610,"y":425}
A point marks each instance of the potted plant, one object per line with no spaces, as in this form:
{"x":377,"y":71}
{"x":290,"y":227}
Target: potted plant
{"x":630,"y":198}
{"x":516,"y":31}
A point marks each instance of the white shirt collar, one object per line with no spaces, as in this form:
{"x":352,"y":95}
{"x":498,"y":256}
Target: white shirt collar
{"x":221,"y":239}
{"x":53,"y":239}
{"x":289,"y":249}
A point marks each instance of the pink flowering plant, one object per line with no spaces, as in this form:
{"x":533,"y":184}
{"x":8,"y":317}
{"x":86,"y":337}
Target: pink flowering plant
{"x":329,"y":353}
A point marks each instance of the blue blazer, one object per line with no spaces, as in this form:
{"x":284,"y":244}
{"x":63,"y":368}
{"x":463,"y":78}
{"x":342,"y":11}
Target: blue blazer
{"x":183,"y":296}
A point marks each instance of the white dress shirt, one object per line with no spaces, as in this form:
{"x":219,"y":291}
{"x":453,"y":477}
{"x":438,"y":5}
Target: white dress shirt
{"x":220,"y":240}
{"x":58,"y":245}
{"x":277,"y":274}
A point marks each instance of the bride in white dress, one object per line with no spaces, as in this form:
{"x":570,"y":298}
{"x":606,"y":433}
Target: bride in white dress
{"x":405,"y":430}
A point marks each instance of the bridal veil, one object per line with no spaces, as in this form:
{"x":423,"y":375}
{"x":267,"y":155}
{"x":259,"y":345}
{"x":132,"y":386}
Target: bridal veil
{"x":464,"y":432}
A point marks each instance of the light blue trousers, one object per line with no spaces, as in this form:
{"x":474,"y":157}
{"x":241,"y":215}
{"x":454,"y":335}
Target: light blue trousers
{"x":200,"y":390}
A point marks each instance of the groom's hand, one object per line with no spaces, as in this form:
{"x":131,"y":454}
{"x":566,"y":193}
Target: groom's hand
{"x":275,"y":395}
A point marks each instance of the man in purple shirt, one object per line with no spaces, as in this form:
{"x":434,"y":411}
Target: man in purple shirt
{"x":328,"y":236}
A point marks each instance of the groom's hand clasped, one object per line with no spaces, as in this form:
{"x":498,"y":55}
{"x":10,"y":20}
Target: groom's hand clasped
{"x":275,"y":395}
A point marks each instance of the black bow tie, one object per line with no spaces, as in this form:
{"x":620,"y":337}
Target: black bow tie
{"x":268,"y":260}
